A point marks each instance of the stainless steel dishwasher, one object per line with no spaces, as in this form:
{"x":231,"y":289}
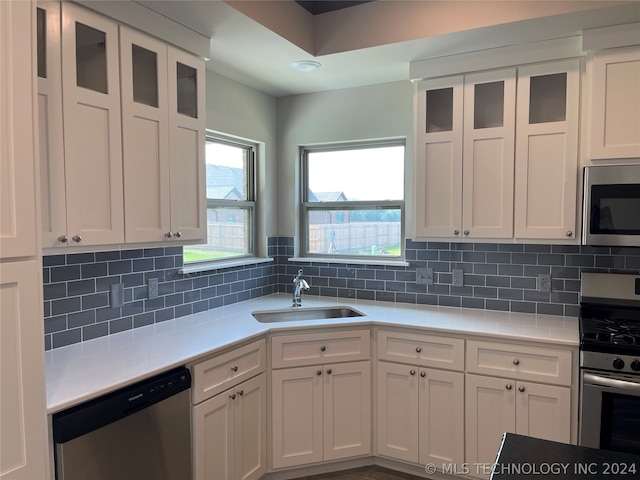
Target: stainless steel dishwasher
{"x":140,"y":432}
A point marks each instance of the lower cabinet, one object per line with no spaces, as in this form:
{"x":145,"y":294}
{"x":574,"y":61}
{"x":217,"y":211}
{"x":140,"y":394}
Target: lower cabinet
{"x":420,"y":414}
{"x":229,"y":433}
{"x":497,"y":405}
{"x":321,"y":413}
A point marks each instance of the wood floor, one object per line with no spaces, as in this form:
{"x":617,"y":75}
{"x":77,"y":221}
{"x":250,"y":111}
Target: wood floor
{"x":364,"y":473}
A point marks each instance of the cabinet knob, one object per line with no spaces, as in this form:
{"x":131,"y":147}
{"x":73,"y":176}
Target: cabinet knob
{"x":569,"y":233}
{"x":516,"y":362}
{"x":76,"y":238}
{"x":423,"y":374}
{"x":521,"y":388}
{"x":318,"y":372}
{"x":168,"y":234}
{"x":329,"y":371}
{"x":323,"y":348}
{"x":456,"y":232}
{"x":412,"y":372}
{"x":418,"y":349}
{"x":177,"y":234}
{"x":234,"y":368}
{"x":241,"y":392}
{"x":466,"y":232}
{"x":63,"y":239}
{"x":508,"y":387}
{"x":232,"y":396}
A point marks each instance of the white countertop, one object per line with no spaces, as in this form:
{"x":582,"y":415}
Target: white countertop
{"x":86,"y":370}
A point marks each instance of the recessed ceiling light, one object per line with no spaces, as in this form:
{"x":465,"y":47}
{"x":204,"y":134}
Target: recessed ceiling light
{"x":305,"y":65}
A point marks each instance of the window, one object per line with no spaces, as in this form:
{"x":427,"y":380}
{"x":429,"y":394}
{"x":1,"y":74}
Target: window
{"x":353,"y":201}
{"x":230,"y":201}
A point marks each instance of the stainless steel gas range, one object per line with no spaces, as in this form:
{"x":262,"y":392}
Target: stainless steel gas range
{"x":610,"y":362}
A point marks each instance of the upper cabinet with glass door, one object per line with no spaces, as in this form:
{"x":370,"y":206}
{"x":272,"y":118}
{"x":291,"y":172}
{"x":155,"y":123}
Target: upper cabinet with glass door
{"x":547,"y":150}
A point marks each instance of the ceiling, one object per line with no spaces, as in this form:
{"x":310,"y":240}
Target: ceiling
{"x":364,"y":43}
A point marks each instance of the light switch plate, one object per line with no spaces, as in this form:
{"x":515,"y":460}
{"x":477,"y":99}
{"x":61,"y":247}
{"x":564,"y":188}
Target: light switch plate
{"x":458,"y":278}
{"x":117,"y":295}
{"x":424,"y":276}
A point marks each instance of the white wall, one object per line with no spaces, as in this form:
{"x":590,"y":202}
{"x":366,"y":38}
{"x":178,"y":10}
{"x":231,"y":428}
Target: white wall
{"x":362,"y":113}
{"x":237,"y":110}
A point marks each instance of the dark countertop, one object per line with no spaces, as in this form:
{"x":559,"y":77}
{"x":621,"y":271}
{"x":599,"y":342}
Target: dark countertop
{"x":526,"y":457}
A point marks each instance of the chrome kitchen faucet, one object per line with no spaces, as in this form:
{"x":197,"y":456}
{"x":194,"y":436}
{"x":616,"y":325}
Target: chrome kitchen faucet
{"x":299,"y":284}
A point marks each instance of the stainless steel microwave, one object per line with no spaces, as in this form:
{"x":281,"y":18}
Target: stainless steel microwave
{"x":611,"y":208}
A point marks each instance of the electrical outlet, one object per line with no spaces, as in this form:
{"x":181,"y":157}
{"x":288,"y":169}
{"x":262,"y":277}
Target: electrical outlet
{"x":458,"y":278}
{"x":424,"y":276}
{"x":544,"y":283}
{"x":117,"y":295}
{"x":152,"y":288}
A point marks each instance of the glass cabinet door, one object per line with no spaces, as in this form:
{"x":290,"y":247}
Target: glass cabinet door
{"x":488,"y":105}
{"x":91,"y":58}
{"x":439,"y":111}
{"x":145,"y":75}
{"x":548,"y":98}
{"x":187,"y":89}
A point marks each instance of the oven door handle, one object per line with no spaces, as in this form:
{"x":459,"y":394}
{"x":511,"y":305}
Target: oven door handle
{"x":592,"y":379}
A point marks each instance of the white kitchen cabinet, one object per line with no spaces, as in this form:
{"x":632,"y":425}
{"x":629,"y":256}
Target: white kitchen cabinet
{"x":516,"y":388}
{"x":420,"y":414}
{"x":24,"y":449}
{"x":464,"y":172}
{"x":229,"y":433}
{"x":321,"y":413}
{"x":187,"y":110}
{"x":548,"y":106}
{"x":163,"y":186}
{"x":615,"y":103}
{"x":497,"y":405}
{"x":92,"y":128}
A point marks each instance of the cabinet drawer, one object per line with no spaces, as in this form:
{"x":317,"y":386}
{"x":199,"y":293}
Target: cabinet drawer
{"x":421,"y":349}
{"x":520,"y":362}
{"x":315,"y":348}
{"x":215,"y":375}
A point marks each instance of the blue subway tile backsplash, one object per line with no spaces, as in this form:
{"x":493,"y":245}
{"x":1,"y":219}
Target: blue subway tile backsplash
{"x":498,"y":277}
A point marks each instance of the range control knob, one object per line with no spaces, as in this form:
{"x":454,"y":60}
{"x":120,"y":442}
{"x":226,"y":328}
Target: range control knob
{"x":635,"y":365}
{"x":618,"y":363}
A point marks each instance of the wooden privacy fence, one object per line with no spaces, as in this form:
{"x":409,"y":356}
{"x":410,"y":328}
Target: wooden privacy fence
{"x":356,"y":237}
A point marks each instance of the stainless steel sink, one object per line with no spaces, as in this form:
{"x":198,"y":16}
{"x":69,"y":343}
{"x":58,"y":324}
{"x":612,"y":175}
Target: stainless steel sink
{"x":306,"y":313}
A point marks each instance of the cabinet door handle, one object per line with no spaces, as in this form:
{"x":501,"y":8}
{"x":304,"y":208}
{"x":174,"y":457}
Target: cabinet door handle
{"x":234,"y":368}
{"x":508,"y":387}
{"x":521,"y":388}
{"x":412,"y":372}
{"x":318,"y":372}
{"x":423,"y":374}
{"x":63,"y":239}
{"x":456,"y":232}
{"x":177,"y":234}
{"x":516,"y":362}
{"x":329,"y":372}
{"x":241,"y":392}
{"x":76,"y":238}
{"x":466,"y":232}
{"x":418,"y":349}
{"x":168,"y":234}
{"x":323,"y":348}
{"x":569,"y":233}
{"x":232,"y":396}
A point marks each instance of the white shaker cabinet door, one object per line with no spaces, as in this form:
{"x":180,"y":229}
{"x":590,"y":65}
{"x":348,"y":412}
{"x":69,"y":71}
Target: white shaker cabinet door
{"x":615,"y":103}
{"x":17,"y":142}
{"x":543,"y":411}
{"x":186,"y":83}
{"x":92,"y":127}
{"x":547,"y":150}
{"x":145,"y":137}
{"x":488,"y":162}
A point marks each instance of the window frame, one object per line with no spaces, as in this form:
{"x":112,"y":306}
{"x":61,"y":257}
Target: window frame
{"x":250,"y":204}
{"x":306,"y":206}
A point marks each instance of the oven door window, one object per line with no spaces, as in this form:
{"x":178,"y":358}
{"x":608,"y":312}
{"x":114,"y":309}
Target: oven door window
{"x":614,"y":209}
{"x":620,"y":427}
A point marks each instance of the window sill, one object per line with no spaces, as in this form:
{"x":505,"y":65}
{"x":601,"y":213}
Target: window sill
{"x":352,"y":261}
{"x":205,"y":267}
